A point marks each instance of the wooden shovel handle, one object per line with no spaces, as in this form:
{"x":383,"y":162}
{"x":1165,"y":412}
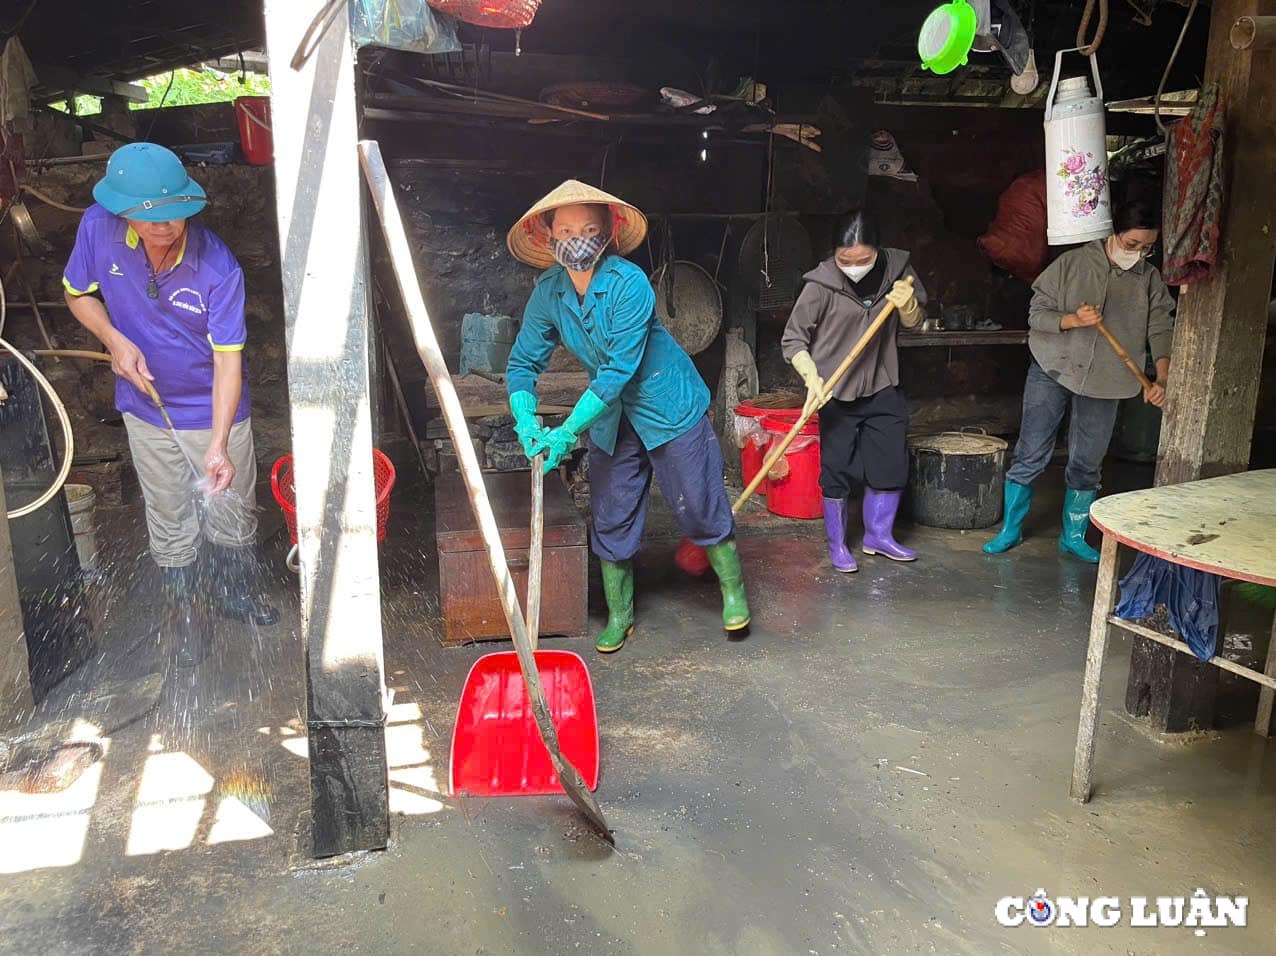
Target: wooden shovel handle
{"x":778,"y":451}
{"x":536,"y":553}
{"x":1124,"y":356}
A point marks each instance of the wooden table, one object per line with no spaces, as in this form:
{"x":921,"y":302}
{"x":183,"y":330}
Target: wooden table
{"x":1226,"y":526}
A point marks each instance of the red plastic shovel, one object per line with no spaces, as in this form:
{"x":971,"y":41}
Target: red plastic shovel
{"x":497,"y":749}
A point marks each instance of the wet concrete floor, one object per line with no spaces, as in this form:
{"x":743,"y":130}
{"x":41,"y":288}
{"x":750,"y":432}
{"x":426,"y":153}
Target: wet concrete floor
{"x":884,"y":758}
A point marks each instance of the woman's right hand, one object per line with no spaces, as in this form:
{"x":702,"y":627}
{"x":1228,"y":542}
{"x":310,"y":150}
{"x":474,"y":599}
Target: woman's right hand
{"x":128,"y":362}
{"x":1084,"y":318}
{"x":805,"y":366}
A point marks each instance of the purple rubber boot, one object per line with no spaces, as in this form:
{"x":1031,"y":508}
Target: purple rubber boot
{"x":879,"y":524}
{"x":835,"y":526}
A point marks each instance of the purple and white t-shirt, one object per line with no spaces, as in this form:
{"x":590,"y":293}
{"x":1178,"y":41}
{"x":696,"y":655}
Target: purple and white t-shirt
{"x":199,"y":311}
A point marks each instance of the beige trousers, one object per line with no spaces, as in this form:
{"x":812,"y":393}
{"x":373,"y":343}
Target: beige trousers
{"x":178,"y":514}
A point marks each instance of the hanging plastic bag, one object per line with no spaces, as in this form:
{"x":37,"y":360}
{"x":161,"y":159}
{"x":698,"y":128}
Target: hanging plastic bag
{"x":780,"y":470}
{"x":403,"y":25}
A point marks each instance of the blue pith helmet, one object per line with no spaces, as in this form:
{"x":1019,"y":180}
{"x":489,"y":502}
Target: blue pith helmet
{"x":148,"y":182}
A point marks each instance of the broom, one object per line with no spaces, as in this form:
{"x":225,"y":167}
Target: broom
{"x":692,"y":558}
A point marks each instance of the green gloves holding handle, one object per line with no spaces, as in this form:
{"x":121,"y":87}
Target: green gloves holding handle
{"x":553,"y":443}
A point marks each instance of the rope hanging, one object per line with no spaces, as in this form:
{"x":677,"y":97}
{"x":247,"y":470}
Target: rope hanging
{"x":1091,"y":48}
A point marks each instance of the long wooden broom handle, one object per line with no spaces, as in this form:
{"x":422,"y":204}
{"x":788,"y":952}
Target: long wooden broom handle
{"x":1124,"y":356}
{"x":778,"y":451}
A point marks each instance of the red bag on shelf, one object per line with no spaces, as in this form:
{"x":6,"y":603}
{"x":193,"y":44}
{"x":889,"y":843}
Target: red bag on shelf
{"x":1016,"y":240}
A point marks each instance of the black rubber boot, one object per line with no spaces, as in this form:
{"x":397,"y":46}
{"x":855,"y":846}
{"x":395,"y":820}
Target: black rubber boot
{"x":234,"y":585}
{"x":186,"y":623}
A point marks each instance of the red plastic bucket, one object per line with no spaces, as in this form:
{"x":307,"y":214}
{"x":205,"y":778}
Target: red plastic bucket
{"x":255,"y":136}
{"x":797,"y":494}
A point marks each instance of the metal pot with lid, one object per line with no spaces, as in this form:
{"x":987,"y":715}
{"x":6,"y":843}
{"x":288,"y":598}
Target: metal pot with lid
{"x":956,"y":478}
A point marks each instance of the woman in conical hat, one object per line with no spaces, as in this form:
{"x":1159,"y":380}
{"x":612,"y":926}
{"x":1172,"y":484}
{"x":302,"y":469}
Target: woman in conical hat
{"x":645,"y":408}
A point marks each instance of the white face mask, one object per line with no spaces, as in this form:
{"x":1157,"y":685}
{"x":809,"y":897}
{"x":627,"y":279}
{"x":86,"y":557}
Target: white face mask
{"x":1123,"y":257}
{"x":855,"y":273}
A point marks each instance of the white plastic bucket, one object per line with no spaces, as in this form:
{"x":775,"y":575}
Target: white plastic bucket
{"x":1078,"y":200}
{"x":81,"y":500}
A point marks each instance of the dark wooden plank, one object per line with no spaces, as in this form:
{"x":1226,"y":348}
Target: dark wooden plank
{"x":456,"y":528}
{"x":471,"y":606}
{"x":932,"y":339}
{"x":1218,"y":347}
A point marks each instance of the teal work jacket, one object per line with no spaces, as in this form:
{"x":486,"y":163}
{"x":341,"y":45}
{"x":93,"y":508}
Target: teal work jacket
{"x":635,"y":366}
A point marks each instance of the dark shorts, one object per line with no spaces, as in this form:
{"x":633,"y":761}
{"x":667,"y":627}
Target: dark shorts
{"x":864,"y":442}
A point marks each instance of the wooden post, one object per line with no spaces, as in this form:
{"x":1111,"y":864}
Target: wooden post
{"x":1104,"y":600}
{"x":15,"y":673}
{"x":1218,"y":344}
{"x":325,"y":281}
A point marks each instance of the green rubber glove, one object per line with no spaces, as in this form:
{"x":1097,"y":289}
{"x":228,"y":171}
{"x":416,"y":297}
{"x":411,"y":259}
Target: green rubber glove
{"x":561,"y":440}
{"x":530,"y":432}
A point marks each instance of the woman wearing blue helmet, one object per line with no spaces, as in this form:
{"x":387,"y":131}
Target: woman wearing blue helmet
{"x":171,"y":314}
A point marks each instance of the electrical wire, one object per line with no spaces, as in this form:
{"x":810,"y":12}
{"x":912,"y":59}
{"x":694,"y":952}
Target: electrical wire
{"x":168,"y":89}
{"x":1160,"y":90}
{"x":63,"y":419}
{"x":58,"y":407}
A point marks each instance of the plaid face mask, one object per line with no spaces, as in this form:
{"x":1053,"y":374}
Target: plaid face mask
{"x":581,"y":253}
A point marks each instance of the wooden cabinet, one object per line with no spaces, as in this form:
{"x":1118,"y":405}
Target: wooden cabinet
{"x":467,"y":594}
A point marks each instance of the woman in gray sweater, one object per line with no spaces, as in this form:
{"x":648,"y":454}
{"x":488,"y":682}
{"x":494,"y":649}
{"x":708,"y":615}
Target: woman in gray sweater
{"x":864,"y":426}
{"x":1110,"y":281}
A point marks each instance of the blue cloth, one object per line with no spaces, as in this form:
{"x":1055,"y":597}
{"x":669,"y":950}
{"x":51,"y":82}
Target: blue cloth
{"x":199,"y":311}
{"x":1089,"y":432}
{"x":1190,"y":595}
{"x":689,"y":470}
{"x":635,"y":366}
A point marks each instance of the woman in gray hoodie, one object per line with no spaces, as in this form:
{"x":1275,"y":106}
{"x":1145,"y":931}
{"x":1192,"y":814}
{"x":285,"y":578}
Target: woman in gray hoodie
{"x":864,"y":426}
{"x":1074,"y":370}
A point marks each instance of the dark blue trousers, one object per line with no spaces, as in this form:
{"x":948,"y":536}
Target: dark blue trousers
{"x":689,"y":470}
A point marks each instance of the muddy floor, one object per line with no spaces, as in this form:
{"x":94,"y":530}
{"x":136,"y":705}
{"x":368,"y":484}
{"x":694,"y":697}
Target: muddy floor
{"x":884,"y":758}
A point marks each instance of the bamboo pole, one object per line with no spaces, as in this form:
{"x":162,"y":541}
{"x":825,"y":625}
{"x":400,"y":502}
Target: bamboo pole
{"x":1124,"y":356}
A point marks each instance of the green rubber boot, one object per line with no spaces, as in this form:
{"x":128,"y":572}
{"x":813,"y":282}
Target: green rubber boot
{"x":1018,"y":498}
{"x":1076,"y":518}
{"x":618,"y":586}
{"x":726,"y":564}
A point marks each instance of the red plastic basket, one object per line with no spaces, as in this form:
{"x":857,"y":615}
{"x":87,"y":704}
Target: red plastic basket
{"x":500,"y":14}
{"x":285,"y":491}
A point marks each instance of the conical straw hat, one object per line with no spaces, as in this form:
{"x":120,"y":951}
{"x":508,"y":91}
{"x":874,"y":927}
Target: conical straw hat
{"x":528,"y":241}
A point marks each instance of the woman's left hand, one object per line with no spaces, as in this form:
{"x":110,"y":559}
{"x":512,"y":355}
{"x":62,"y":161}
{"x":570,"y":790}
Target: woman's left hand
{"x":902,"y":296}
{"x":218,"y":471}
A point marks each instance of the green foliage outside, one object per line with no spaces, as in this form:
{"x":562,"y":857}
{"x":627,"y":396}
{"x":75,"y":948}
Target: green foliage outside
{"x":190,"y":88}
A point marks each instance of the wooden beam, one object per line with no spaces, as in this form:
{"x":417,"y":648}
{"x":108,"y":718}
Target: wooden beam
{"x":1218,"y":344}
{"x":55,"y":80}
{"x":325,"y":283}
{"x":15,"y":674}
